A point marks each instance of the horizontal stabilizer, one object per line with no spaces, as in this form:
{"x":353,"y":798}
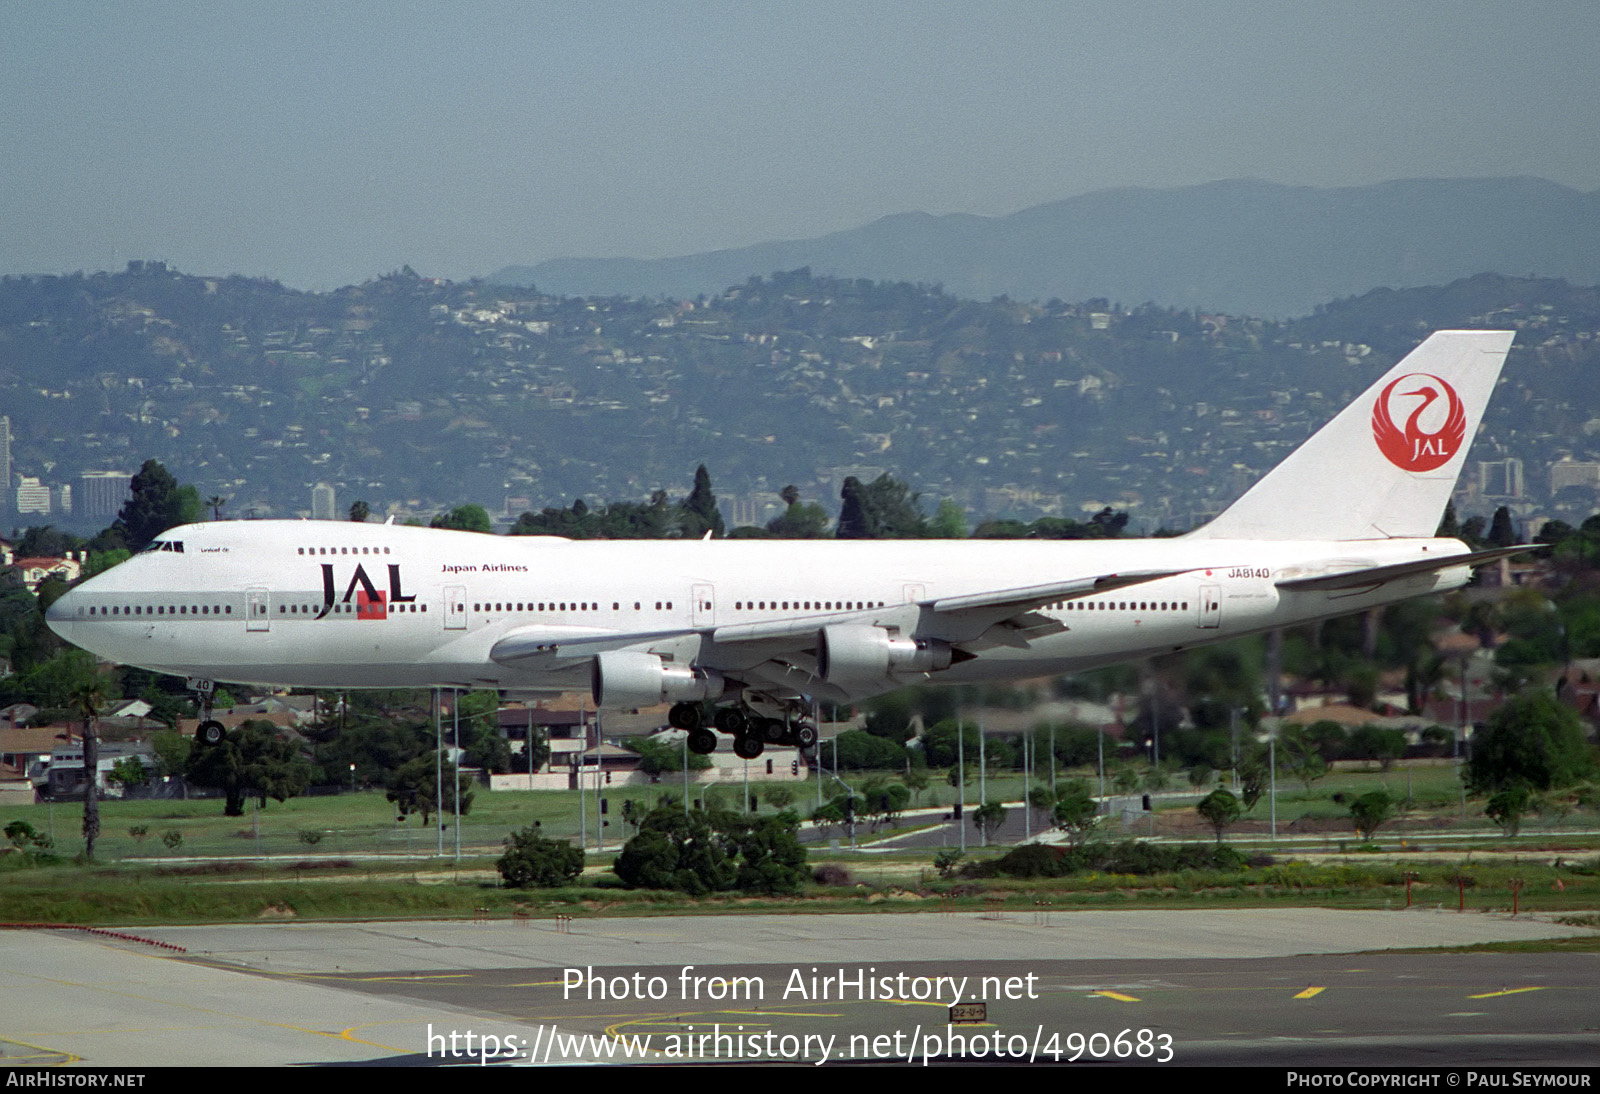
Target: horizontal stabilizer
{"x":1377,"y":575}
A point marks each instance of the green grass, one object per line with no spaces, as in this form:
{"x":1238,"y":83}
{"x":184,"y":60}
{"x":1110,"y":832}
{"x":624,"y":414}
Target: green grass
{"x":222,"y":891}
{"x":365,"y":865}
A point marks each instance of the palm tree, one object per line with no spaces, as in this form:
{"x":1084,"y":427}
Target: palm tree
{"x":88,"y":690}
{"x":216,"y":502}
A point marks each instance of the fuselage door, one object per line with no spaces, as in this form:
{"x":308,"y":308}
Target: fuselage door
{"x":455,"y":607}
{"x":704,"y":599}
{"x":257,"y":610}
{"x":1210,"y":606}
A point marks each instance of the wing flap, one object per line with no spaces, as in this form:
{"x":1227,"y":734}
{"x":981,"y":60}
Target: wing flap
{"x":553,"y":644}
{"x":1377,"y":575}
{"x":1032,"y":596}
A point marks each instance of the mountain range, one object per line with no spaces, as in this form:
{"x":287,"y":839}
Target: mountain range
{"x":1236,"y":247}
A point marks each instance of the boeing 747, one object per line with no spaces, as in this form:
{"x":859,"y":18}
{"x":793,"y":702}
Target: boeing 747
{"x":748,"y":633}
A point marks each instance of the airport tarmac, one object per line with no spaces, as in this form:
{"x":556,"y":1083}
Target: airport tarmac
{"x":1202,"y":986}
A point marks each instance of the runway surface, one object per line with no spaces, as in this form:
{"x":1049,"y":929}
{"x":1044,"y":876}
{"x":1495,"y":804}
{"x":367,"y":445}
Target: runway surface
{"x":1306,"y":986}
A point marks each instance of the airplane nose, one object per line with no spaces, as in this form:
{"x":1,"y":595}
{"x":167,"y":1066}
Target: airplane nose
{"x":63,"y":612}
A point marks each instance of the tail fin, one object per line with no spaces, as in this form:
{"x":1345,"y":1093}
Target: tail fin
{"x":1385,"y":467}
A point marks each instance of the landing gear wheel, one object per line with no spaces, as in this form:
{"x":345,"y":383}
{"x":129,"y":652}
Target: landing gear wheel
{"x":702,"y":742}
{"x":806,"y":737}
{"x":685,"y":716}
{"x":773,"y":731}
{"x":748,"y":747}
{"x":730,"y":720}
{"x":210,"y":733}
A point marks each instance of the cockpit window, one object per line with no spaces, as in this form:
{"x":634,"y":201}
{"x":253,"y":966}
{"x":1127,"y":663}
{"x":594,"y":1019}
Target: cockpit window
{"x":164,"y":545}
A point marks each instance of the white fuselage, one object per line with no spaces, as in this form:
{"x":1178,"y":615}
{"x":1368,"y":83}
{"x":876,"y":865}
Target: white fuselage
{"x":330,"y":604}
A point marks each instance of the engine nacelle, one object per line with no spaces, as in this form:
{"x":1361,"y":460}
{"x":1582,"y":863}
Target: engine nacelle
{"x":852,"y":654}
{"x":623,"y":680}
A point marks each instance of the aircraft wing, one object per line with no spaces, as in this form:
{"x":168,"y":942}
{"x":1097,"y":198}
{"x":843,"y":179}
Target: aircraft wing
{"x":1367,"y":576}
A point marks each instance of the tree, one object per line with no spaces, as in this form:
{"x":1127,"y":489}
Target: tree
{"x":698,"y":514}
{"x":480,"y":738}
{"x":1220,"y":809}
{"x":33,"y":845}
{"x":87,"y":689}
{"x":1532,"y":741}
{"x":885,"y":508}
{"x":359,"y":512}
{"x":157,"y":503}
{"x":465,"y":518}
{"x":673,"y":851}
{"x":859,"y":750}
{"x":46,"y":541}
{"x":172,"y":751}
{"x":1076,"y":811}
{"x":215,"y":503}
{"x":827,"y":817}
{"x":1501,"y":531}
{"x":916,"y":780}
{"x":1370,"y":810}
{"x":1382,"y":746}
{"x":252,"y":761}
{"x":659,"y":757}
{"x":414,"y":788}
{"x":949,"y":521}
{"x":988,"y":817}
{"x":800,"y":520}
{"x":531,"y":861}
{"x":1301,"y":756}
{"x":883,"y":801}
{"x":128,"y":773}
{"x":1507,"y":808}
{"x":771,"y":857}
{"x":947,"y":862}
{"x":1253,"y":777}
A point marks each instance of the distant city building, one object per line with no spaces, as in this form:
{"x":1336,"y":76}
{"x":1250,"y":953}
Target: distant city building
{"x":324,"y":505}
{"x":102,"y":493}
{"x":1572,"y":473}
{"x":33,"y":496}
{"x":5,"y":459}
{"x":1500,"y":478}
{"x":63,"y":495}
{"x":754,"y":509}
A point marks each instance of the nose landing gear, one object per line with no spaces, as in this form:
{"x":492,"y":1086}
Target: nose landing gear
{"x":209,"y":732}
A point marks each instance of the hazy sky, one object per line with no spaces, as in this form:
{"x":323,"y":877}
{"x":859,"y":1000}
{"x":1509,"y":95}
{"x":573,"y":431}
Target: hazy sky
{"x":326,"y":143}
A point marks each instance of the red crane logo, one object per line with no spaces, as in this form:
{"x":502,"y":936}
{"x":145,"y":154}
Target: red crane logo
{"x":1412,"y":448}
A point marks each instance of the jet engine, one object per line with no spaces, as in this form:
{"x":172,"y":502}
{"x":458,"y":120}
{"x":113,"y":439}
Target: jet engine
{"x":850,"y":654}
{"x":623,"y":680}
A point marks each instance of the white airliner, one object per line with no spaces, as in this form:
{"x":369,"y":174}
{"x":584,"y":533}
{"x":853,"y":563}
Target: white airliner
{"x":752,"y":631}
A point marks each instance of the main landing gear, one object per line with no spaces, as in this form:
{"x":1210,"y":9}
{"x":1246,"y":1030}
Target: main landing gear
{"x":209,"y":732}
{"x":751,"y":732}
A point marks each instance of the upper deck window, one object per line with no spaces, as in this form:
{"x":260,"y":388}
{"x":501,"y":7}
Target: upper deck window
{"x":164,"y":545}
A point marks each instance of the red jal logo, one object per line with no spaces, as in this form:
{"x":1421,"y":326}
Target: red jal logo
{"x":1411,"y":448}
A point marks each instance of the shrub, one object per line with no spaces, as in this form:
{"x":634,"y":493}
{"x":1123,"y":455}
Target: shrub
{"x":531,"y":861}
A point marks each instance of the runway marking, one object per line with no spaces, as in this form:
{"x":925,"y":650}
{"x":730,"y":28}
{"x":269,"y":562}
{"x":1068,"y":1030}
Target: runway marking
{"x":1118,"y":996}
{"x":428,"y":976}
{"x":45,"y":1057}
{"x":1504,"y":991}
{"x":1310,"y":993}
